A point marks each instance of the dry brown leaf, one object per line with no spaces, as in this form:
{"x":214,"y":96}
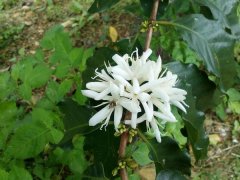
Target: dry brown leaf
{"x":112,"y":33}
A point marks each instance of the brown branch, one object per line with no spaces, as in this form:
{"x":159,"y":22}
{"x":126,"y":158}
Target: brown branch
{"x":122,"y":148}
{"x":150,"y":28}
{"x":125,"y":135}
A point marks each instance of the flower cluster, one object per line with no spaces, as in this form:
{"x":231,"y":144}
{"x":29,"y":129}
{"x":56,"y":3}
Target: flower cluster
{"x":137,"y":85}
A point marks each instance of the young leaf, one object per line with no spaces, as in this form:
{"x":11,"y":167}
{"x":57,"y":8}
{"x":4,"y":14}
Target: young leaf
{"x":140,"y":155}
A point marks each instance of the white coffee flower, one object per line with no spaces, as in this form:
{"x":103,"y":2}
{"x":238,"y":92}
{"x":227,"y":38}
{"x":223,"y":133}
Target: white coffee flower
{"x":136,"y":84}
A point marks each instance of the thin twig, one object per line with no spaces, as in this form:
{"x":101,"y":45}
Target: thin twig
{"x":122,"y":148}
{"x":150,"y":28}
{"x":124,"y":136}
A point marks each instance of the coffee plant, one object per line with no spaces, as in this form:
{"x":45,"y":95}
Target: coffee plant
{"x":104,"y":112}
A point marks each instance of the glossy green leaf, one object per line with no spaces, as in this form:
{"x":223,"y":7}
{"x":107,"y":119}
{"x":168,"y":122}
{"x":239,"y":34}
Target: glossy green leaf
{"x":168,"y":156}
{"x":95,"y":171}
{"x":75,"y":119}
{"x":212,"y":43}
{"x":100,"y":56}
{"x":174,"y":129}
{"x":219,"y":8}
{"x":204,"y":89}
{"x":170,"y":175}
{"x":193,"y":121}
{"x":103,"y":146}
{"x":101,"y":5}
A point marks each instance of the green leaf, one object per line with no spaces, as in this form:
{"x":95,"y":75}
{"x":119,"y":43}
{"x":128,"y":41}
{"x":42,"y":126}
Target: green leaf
{"x":73,"y":157}
{"x":219,"y":8}
{"x":33,"y":134}
{"x":18,"y":173}
{"x":170,"y":175}
{"x":193,"y":121}
{"x":95,"y":171}
{"x":79,"y":56}
{"x":6,"y":85}
{"x":101,"y":5}
{"x":8,"y":111}
{"x":212,"y":43}
{"x":174,"y":129}
{"x":76,"y":158}
{"x":140,"y":155}
{"x":62,"y":69}
{"x":28,"y":141}
{"x":202,"y":87}
{"x":104,"y":148}
{"x":100,"y":56}
{"x":226,"y":13}
{"x":25,"y":91}
{"x":4,"y":175}
{"x":39,"y":76}
{"x":75,"y":119}
{"x":167,"y":155}
{"x":56,"y":92}
{"x":234,"y":95}
{"x":56,"y":37}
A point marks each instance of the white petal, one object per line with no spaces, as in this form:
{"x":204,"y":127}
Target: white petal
{"x":90,"y":93}
{"x":156,"y":130}
{"x":114,"y":90}
{"x":121,"y":80}
{"x":136,"y":87}
{"x":97,"y":86}
{"x":121,"y":62}
{"x":148,"y":111}
{"x":131,"y":105}
{"x":158,"y":67}
{"x":164,"y":117}
{"x":161,"y":95}
{"x":117,"y":116}
{"x":146,"y":55}
{"x":107,"y":119}
{"x":134,"y":120}
{"x":179,"y":105}
{"x":100,"y":116}
{"x":119,"y":71}
{"x":103,"y":94}
{"x":153,"y":84}
{"x":143,"y":97}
